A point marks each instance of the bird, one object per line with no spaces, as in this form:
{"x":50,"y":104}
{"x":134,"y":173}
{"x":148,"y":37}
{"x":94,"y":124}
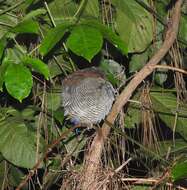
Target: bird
{"x":87,"y":96}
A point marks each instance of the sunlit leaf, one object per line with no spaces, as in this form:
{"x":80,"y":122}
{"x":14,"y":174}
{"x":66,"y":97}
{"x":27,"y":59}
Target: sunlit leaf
{"x":26,"y":26}
{"x":37,"y":65}
{"x":85,"y":41}
{"x":108,"y":34}
{"x":18,"y":81}
{"x":53,"y":37}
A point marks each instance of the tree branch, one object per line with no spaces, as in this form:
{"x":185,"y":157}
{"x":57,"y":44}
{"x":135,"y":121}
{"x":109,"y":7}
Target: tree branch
{"x":92,"y":160}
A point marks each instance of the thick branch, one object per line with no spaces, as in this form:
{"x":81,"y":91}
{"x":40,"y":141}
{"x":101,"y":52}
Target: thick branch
{"x":94,"y":155}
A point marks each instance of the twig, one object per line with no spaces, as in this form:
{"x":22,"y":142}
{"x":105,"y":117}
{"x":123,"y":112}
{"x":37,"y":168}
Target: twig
{"x":121,"y":167}
{"x":171,"y":68}
{"x":94,"y":155}
{"x":148,"y":181}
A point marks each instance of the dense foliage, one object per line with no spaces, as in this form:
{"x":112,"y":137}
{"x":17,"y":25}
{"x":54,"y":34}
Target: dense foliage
{"x":41,"y":42}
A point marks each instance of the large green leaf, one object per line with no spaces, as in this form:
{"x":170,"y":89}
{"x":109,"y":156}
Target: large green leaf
{"x":18,"y":81}
{"x":18,"y":143}
{"x":108,"y":34}
{"x":53,"y":37}
{"x":85,"y":41}
{"x":134,"y":25}
{"x":179,"y":171}
{"x":165,"y":104}
{"x":26,"y":26}
{"x":38,"y":65}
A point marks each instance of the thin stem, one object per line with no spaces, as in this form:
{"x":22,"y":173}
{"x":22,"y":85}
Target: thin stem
{"x":171,"y":68}
{"x":49,"y":13}
{"x":19,"y":47}
{"x":12,"y":7}
{"x":81,"y":7}
{"x":5,"y":24}
{"x":54,"y":25}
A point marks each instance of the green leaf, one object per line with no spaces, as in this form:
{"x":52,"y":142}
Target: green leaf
{"x":16,"y":175}
{"x":91,"y":9}
{"x":38,"y":65}
{"x":3,"y":68}
{"x":134,"y":25}
{"x":179,"y":171}
{"x":7,"y":20}
{"x":54,"y":69}
{"x":53,"y":37}
{"x":18,"y":81}
{"x":183,"y":27}
{"x":113,"y":71}
{"x":29,"y":2}
{"x":73,"y":142}
{"x":160,"y":76}
{"x":137,"y":187}
{"x":138,"y":61}
{"x":54,"y":100}
{"x":14,"y":54}
{"x":65,"y":10}
{"x":34,"y":14}
{"x":26,"y":26}
{"x":165,"y":104}
{"x":108,"y":34}
{"x":18,"y":143}
{"x":85,"y":41}
{"x":59,"y":115}
{"x":3,"y":43}
{"x":133,"y":116}
{"x":176,"y":147}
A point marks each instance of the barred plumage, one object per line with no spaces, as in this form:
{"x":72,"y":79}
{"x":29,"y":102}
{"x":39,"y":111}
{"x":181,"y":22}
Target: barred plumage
{"x":87,"y":96}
